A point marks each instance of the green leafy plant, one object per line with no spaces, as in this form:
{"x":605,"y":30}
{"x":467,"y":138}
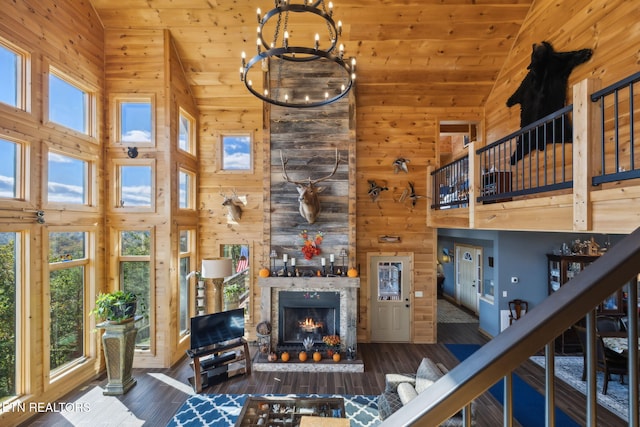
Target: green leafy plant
{"x":233,"y":291}
{"x":116,"y":306}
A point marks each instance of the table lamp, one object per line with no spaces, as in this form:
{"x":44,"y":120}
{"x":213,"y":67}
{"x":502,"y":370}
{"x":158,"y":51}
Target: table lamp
{"x":216,"y":269}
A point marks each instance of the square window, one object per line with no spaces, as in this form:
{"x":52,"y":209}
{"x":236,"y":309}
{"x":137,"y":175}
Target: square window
{"x":186,"y":132}
{"x":135,"y":120}
{"x":10,"y":76}
{"x":67,"y":180}
{"x":135,"y":189}
{"x":68,"y":104}
{"x":236,"y":153}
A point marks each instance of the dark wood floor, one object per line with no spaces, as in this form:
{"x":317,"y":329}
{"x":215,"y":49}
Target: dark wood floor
{"x":160,"y":392}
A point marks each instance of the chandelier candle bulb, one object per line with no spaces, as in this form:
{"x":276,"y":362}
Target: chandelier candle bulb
{"x":317,"y":41}
{"x":259,"y":12}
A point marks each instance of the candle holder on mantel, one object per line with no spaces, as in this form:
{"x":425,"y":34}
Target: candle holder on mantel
{"x":273,"y":255}
{"x":343,"y":255}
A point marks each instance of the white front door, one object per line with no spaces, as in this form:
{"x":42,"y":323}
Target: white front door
{"x":390,"y":285}
{"x":468,"y":275}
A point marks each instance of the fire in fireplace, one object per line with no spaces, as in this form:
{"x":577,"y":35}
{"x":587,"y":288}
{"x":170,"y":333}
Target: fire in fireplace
{"x":307,"y":315}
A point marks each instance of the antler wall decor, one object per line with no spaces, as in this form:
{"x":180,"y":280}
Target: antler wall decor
{"x":307,"y":191}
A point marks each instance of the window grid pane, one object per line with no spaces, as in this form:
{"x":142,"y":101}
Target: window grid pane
{"x":67,"y":104}
{"x":9,"y":151}
{"x":185,"y":142}
{"x":67,"y":179}
{"x":185,"y":268}
{"x":135,"y":188}
{"x":135,"y":277}
{"x":185,"y":188}
{"x":236,"y":152}
{"x":8,"y":301}
{"x":10,"y":68}
{"x":67,"y":316}
{"x":135,"y":121}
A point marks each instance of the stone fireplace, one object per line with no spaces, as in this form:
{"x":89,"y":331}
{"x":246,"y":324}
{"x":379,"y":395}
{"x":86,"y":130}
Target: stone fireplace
{"x":304,"y":315}
{"x":300,"y":307}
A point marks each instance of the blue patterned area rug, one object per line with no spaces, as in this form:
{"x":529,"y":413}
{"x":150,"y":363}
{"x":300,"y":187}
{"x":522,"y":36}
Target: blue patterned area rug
{"x":222,"y":410}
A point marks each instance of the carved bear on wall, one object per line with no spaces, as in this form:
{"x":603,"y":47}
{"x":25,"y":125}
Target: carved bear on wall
{"x":542,"y":92}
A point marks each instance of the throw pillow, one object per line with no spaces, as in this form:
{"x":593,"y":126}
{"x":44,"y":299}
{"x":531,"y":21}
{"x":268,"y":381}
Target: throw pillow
{"x":427,"y":374}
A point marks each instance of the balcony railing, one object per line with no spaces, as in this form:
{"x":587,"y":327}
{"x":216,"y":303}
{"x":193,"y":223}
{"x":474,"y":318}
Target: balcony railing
{"x":619,"y":140}
{"x":539,"y":158}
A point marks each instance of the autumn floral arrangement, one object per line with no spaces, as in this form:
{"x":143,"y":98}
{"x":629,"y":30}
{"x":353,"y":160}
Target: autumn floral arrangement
{"x":331,"y":340}
{"x":310,"y":247}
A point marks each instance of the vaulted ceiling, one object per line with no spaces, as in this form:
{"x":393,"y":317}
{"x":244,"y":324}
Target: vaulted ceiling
{"x":432,"y":53}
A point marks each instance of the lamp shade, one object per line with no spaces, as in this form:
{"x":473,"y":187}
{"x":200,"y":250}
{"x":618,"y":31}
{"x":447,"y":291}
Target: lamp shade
{"x":216,"y":268}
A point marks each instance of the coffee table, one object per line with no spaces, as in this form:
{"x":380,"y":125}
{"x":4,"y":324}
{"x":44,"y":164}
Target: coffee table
{"x":289,"y":411}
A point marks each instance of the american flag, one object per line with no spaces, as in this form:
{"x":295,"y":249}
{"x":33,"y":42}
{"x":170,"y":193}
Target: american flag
{"x":243,"y":261}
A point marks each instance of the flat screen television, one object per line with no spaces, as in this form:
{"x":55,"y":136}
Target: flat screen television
{"x":216,"y":328}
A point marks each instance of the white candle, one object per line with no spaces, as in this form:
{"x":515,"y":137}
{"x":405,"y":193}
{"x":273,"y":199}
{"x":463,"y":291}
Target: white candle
{"x":293,"y":262}
{"x":323,"y":261}
{"x":331,"y":259}
{"x":285,"y":257}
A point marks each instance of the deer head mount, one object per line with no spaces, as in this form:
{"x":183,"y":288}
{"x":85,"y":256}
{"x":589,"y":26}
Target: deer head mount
{"x":234,"y":206}
{"x":307,"y":191}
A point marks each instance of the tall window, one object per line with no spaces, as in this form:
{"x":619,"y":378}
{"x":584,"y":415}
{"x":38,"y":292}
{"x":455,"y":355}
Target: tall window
{"x":186,"y":186}
{"x":187,"y":262}
{"x":135,"y":276}
{"x":236,"y":153}
{"x":11,"y":178}
{"x":135,"y":121}
{"x":67,"y":179}
{"x":68,"y":263}
{"x":8,"y":315}
{"x":68,"y":104}
{"x":186,"y":132}
{"x":13,"y":70}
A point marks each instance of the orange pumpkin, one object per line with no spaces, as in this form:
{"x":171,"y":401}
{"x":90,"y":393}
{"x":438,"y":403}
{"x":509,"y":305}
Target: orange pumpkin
{"x":264,"y":272}
{"x":302,"y":356}
{"x":352,"y":272}
{"x":317,"y":356}
{"x":285,"y":356}
{"x":336,"y":357}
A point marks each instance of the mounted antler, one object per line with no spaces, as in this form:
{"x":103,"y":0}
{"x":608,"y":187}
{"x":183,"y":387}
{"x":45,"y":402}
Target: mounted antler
{"x":233,"y":205}
{"x":307,"y":192}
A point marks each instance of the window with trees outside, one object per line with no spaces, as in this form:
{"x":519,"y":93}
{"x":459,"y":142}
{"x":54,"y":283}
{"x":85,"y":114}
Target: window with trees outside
{"x":135,"y":276}
{"x":9,"y":298}
{"x":13,"y":71}
{"x":186,"y":132}
{"x":69,"y":105}
{"x":68,"y":270}
{"x":187,"y":263}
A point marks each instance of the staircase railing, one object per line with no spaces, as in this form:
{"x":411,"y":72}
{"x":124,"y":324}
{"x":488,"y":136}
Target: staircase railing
{"x":537,"y":329}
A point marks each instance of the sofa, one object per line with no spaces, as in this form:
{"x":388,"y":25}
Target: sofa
{"x":402,"y":388}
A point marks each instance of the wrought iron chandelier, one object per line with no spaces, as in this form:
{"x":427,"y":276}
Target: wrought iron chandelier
{"x":263,"y":74}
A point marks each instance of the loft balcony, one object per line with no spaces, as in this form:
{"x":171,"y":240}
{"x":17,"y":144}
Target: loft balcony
{"x":577,"y":169}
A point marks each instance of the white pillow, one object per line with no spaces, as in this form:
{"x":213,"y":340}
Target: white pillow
{"x":406,"y":392}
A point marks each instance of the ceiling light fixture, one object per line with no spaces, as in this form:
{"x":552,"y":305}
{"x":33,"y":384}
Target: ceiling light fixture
{"x":328,"y":83}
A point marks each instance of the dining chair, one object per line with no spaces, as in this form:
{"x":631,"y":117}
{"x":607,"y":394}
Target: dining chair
{"x":608,"y":324}
{"x":607,"y":362}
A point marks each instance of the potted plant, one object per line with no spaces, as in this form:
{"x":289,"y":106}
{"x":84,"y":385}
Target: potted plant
{"x":116,"y":307}
{"x":232,"y":294}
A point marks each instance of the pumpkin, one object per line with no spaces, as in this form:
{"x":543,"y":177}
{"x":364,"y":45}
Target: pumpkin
{"x":317,"y":356}
{"x":264,"y":272}
{"x":285,"y":356}
{"x":352,"y":272}
{"x":336,"y":357}
{"x":302,"y":356}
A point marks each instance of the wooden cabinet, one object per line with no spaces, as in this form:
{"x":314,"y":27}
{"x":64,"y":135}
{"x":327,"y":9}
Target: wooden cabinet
{"x":219,"y":362}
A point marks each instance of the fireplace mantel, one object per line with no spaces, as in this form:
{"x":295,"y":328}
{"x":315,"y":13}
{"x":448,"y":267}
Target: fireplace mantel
{"x":347,"y":286}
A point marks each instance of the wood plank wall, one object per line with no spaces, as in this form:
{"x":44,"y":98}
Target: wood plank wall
{"x":609,"y":27}
{"x":70,"y":39}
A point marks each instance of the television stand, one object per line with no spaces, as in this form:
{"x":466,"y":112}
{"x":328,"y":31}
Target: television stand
{"x":217,"y":362}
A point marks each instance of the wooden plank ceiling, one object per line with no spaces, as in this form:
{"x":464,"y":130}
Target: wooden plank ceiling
{"x":437,"y":53}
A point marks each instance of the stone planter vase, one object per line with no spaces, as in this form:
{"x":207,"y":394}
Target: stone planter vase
{"x":119,"y":340}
